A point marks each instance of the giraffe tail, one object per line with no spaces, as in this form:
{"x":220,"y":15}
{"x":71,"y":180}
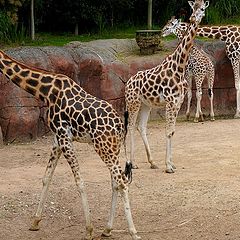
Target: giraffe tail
{"x":128,"y":171}
{"x":128,"y":166}
{"x":126,"y":115}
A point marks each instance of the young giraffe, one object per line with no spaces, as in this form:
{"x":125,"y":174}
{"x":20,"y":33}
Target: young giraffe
{"x":231,"y":36}
{"x":163,"y":85}
{"x":200,"y":66}
{"x":75,"y":115}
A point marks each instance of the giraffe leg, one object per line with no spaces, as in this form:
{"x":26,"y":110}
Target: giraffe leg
{"x":110,"y":155}
{"x":142,"y":128}
{"x":133,"y":113}
{"x":128,"y":214}
{"x":68,"y":152}
{"x":55,"y":154}
{"x":210,"y":91}
{"x":108,"y":229}
{"x":236,"y":71}
{"x":171,"y":115}
{"x":199,"y":110}
{"x":189,"y":94}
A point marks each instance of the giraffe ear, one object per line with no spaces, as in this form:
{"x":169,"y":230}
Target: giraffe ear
{"x":191,"y":3}
{"x":206,"y":4}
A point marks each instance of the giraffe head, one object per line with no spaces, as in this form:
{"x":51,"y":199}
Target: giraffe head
{"x":171,"y":26}
{"x":198,"y":8}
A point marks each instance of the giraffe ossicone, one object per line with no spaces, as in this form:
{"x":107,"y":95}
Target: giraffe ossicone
{"x":161,"y":86}
{"x":75,"y":115}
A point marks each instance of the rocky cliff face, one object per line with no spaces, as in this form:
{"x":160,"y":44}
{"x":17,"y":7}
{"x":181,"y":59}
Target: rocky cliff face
{"x":101,"y":67}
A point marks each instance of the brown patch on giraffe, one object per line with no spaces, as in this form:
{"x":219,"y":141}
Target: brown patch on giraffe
{"x":16,"y":68}
{"x":7,"y":63}
{"x":24,"y":73}
{"x":44,"y":89}
{"x":30,"y":90}
{"x":17,"y":80}
{"x":35,"y":75}
{"x":32,"y":82}
{"x":207,"y":30}
{"x":46,"y":79}
{"x":233,"y":28}
{"x":9,"y":72}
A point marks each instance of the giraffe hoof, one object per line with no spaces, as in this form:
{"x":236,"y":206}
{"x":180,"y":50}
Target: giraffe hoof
{"x":212,"y":119}
{"x":237,"y":115}
{"x":154,"y":166}
{"x":135,"y":166}
{"x":169,"y":170}
{"x":136,"y":237}
{"x":196,"y":120}
{"x":34,"y":228}
{"x":106,"y":232}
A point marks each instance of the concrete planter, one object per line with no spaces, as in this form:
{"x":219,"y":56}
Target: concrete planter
{"x":149,"y":41}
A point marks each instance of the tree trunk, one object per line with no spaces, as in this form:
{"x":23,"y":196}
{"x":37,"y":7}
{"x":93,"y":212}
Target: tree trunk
{"x":76,"y":29}
{"x":149,"y":14}
{"x":32,"y":21}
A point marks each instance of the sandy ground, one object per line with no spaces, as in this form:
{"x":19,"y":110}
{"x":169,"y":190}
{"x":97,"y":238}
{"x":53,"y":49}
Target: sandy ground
{"x":200,"y":201}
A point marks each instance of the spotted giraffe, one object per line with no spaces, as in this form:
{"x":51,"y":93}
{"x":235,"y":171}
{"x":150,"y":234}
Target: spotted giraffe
{"x":162,"y":86}
{"x":200,"y":66}
{"x":75,"y":115}
{"x":231,"y":36}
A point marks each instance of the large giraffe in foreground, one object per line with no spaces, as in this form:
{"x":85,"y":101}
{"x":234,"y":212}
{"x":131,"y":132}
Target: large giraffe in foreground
{"x":200,"y":66}
{"x":75,"y":115}
{"x":163,"y":85}
{"x":231,"y":36}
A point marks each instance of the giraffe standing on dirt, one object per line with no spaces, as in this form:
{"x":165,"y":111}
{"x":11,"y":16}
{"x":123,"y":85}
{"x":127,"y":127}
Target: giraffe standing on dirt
{"x":163,"y":85}
{"x":200,"y":66}
{"x":75,"y":115}
{"x":231,"y":36}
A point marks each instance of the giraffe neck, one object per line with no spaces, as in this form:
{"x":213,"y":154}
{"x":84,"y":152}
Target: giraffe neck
{"x":179,"y":33}
{"x":182,"y":51}
{"x":41,"y":84}
{"x":214,"y":32}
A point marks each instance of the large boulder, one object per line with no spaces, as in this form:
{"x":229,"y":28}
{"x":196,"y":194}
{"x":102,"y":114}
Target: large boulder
{"x":101,"y":67}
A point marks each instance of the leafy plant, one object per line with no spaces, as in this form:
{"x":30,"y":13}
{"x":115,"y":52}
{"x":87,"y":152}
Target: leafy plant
{"x":10,"y":32}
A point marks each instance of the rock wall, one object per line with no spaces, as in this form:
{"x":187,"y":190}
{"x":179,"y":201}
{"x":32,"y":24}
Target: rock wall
{"x":101,"y":67}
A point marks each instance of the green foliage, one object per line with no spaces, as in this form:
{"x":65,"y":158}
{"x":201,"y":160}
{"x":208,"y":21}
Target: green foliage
{"x":101,"y":19}
{"x":213,"y":16}
{"x":10,"y":32}
{"x":227,"y":8}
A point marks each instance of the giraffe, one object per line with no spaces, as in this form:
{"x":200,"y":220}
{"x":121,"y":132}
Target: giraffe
{"x":231,"y":36}
{"x":161,"y":86}
{"x":200,"y":66}
{"x":75,"y":115}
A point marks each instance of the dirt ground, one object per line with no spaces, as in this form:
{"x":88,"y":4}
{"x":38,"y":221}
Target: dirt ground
{"x":201,"y":200}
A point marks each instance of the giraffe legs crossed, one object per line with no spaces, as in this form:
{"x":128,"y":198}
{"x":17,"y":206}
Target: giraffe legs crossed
{"x":124,"y":195}
{"x":119,"y":185}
